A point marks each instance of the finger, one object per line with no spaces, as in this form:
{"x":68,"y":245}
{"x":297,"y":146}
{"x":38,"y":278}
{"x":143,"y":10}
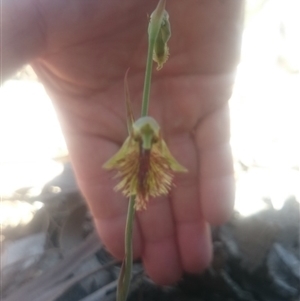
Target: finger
{"x":160,"y":254}
{"x":216,"y":174}
{"x":193,"y":235}
{"x":108,"y":207}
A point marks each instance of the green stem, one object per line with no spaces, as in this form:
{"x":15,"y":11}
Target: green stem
{"x":148,"y":75}
{"x":125,"y":274}
{"x":129,"y":229}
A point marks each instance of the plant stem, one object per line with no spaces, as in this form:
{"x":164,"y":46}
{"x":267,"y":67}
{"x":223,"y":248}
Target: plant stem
{"x":148,"y":75}
{"x":125,"y":274}
{"x":129,"y":230}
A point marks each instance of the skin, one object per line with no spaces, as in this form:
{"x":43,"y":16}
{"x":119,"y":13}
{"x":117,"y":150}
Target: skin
{"x":81,"y":51}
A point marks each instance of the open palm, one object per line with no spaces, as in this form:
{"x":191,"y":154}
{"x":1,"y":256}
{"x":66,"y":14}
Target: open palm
{"x":87,"y":48}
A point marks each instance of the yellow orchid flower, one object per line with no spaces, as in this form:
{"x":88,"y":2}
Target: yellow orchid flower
{"x":144,"y":163}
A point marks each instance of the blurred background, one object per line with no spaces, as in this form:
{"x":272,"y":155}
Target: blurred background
{"x":265,"y":109}
{"x":43,"y":215}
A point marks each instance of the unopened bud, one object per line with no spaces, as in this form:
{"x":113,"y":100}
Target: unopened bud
{"x":161,"y":49}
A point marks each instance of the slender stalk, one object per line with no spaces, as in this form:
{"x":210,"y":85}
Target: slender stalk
{"x":125,"y":274}
{"x":129,"y":230}
{"x":148,"y":75}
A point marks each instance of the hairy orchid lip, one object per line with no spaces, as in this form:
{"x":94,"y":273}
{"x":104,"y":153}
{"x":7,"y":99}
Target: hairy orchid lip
{"x":144,"y":171}
{"x":144,"y":165}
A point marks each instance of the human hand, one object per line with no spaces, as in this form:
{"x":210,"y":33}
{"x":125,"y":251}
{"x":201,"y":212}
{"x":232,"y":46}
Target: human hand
{"x":87,"y":47}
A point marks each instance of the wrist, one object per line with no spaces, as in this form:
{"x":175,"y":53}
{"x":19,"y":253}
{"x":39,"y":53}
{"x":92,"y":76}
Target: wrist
{"x":22,"y":37}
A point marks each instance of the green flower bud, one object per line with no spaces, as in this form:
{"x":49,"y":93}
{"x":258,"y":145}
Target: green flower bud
{"x":161,"y":49}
